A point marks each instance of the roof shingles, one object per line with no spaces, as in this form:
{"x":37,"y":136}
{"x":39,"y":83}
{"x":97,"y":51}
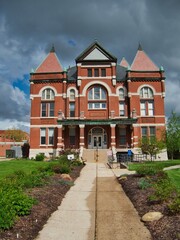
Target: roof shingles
{"x":50,"y":64}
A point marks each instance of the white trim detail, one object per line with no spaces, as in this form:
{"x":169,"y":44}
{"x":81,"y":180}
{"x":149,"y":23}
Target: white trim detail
{"x":72,"y":88}
{"x":148,"y":124}
{"x":44,"y":126}
{"x":95,"y":83}
{"x":146,"y":85}
{"x":47,"y":87}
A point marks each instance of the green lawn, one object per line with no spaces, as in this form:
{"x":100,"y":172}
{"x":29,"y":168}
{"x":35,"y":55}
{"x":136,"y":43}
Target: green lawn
{"x":8,"y":167}
{"x":158,"y":164}
{"x":175,"y":177}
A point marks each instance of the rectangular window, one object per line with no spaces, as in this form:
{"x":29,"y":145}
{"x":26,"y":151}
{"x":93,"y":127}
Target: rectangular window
{"x":47,"y":109}
{"x":147,"y":108}
{"x":151,"y":108}
{"x":96,"y":72}
{"x":43,"y":136}
{"x":72,"y":109}
{"x":152,"y":132}
{"x":144,"y":132}
{"x":51,"y":109}
{"x":103,"y":72}
{"x":89,"y":72}
{"x":143,"y":108}
{"x":97,"y":105}
{"x":51,"y":136}
{"x":72,"y":136}
{"x":43,"y":110}
{"x":122,"y":109}
{"x":122,"y":136}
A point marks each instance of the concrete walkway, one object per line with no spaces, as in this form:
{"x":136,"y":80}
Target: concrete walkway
{"x":95,"y":208}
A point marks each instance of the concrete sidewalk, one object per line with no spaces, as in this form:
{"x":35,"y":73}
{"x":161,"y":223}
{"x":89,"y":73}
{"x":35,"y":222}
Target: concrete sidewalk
{"x":96,"y":207}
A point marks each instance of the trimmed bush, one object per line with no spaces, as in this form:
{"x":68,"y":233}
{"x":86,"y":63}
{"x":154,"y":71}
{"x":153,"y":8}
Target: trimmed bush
{"x":39,"y":157}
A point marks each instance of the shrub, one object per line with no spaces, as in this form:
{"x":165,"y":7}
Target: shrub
{"x":144,"y":183}
{"x":13,"y":203}
{"x":65,"y":168}
{"x":148,"y":170}
{"x":174,"y":206}
{"x":39,"y":157}
{"x":164,"y":189}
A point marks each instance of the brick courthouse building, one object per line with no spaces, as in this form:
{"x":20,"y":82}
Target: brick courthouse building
{"x":97,"y":103}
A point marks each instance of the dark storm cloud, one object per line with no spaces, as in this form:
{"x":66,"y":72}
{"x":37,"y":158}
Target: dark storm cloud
{"x":29,"y":28}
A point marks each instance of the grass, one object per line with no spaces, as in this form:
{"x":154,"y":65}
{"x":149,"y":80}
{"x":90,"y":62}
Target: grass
{"x":8,"y":167}
{"x":174,"y":175}
{"x":157,"y":164}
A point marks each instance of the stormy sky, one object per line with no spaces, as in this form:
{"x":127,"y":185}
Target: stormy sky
{"x":29,"y":28}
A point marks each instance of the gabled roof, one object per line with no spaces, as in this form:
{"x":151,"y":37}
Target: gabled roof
{"x":95,"y":52}
{"x":124,"y":63}
{"x":50,"y":64}
{"x":142,"y":62}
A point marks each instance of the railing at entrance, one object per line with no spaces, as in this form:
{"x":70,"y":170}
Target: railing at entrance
{"x":134,"y":157}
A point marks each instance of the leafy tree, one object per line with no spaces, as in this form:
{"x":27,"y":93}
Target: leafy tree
{"x":151,"y":146}
{"x":16,"y":134}
{"x":173,"y":134}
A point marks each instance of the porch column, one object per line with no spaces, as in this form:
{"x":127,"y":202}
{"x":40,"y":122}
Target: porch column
{"x":113,"y":135}
{"x":81,"y":127}
{"x":60,"y":144}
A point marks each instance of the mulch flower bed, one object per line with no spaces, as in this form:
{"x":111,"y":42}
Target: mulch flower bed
{"x":168,"y":227}
{"x":49,"y":197}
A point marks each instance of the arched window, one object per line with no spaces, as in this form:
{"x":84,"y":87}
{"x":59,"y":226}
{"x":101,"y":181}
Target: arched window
{"x":72,"y":94}
{"x":97,"y":98}
{"x":121,"y":93}
{"x":147,"y":101}
{"x":97,"y":93}
{"x":146,"y":92}
{"x":47,"y":107}
{"x":48,"y":94}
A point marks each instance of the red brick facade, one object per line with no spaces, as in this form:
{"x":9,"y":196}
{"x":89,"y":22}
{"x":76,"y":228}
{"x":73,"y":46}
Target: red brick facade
{"x":98,"y":102}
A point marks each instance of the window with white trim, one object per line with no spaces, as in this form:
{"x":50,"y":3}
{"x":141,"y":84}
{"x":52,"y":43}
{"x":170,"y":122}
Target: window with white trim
{"x":47,"y":109}
{"x":97,"y":98}
{"x":148,"y":132}
{"x":72,"y":95}
{"x":147,"y":108}
{"x":72,"y":109}
{"x":146,"y":92}
{"x":122,"y":109}
{"x":48,"y":94}
{"x":51,"y":136}
{"x":43,"y":136}
{"x":147,"y":101}
{"x":121,"y":93}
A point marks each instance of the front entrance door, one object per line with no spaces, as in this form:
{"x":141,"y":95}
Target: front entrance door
{"x":97,"y":138}
{"x":97,"y":141}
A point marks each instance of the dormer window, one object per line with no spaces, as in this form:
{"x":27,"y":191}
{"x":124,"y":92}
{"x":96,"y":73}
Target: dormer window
{"x":89,"y":71}
{"x":96,"y":72}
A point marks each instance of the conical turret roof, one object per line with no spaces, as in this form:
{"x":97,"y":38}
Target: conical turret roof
{"x":124,"y":63}
{"x":50,"y":64}
{"x":142,"y":62}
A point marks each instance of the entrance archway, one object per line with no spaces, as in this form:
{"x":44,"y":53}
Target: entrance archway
{"x":97,"y":138}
